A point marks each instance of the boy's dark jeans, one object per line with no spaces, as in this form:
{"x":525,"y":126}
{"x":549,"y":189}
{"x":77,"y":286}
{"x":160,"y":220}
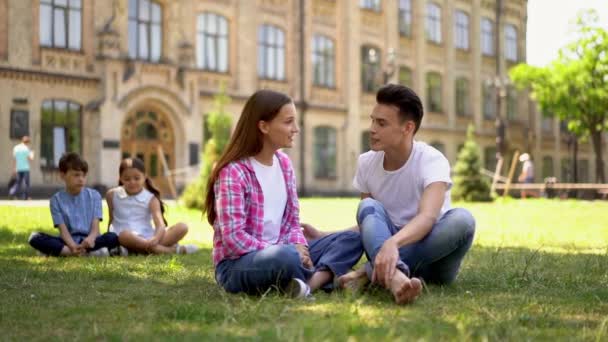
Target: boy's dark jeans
{"x":52,"y":245}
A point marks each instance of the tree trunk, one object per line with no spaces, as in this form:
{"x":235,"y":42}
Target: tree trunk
{"x":596,"y":138}
{"x":574,"y":159}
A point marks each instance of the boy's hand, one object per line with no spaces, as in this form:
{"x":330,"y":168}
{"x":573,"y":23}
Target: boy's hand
{"x":88,"y":243}
{"x":76,"y":249}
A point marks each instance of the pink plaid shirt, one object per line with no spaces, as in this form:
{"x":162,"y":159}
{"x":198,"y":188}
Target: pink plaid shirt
{"x":239,"y":204}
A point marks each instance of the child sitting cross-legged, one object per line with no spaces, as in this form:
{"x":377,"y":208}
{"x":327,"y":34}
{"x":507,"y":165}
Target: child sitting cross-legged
{"x":76,"y":212}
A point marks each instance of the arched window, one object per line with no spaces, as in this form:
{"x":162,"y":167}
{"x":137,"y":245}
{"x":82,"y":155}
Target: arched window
{"x":271,"y":52}
{"x":461,"y":30}
{"x":212,"y":42}
{"x":510,"y":43}
{"x":433,"y":92}
{"x":487,"y":37}
{"x":433,"y":23}
{"x":145,"y":30}
{"x":325,"y":152}
{"x":323,"y":61}
{"x":405,"y":17}
{"x":60,"y":131}
{"x":370,"y":68}
{"x":463,"y":100}
{"x":405,"y":76}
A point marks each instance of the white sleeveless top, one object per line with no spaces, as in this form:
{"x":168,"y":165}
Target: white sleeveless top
{"x":132,"y":212}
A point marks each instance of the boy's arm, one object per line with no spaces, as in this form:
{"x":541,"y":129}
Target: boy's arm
{"x":109,"y":196}
{"x":89,"y":241}
{"x":428,"y":212}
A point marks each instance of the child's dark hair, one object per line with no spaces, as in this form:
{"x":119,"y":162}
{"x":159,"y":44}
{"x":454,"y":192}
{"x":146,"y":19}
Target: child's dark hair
{"x":138,"y":164}
{"x":404,"y":98}
{"x":72,"y":161}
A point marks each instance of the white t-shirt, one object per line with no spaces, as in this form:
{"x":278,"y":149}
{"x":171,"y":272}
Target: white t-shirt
{"x":400,"y":191}
{"x":272,"y":181}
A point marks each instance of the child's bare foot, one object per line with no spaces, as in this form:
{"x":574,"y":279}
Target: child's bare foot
{"x":404,"y":289}
{"x":354,"y":280}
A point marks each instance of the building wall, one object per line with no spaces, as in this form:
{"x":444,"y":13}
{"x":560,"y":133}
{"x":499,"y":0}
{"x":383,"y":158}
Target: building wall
{"x":109,"y":85}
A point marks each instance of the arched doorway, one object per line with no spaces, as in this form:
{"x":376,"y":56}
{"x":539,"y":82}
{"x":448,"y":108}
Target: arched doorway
{"x":148,"y":135}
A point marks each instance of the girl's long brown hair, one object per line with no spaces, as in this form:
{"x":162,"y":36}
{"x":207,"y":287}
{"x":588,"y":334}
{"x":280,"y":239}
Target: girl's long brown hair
{"x":246,"y":140}
{"x":138,"y":164}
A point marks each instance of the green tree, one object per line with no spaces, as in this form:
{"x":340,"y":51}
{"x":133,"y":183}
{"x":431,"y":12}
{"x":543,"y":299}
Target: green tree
{"x":218,"y":123}
{"x":469,"y":183}
{"x":574,"y":87}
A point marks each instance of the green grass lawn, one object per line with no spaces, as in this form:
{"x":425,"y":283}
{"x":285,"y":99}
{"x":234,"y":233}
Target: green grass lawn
{"x":538,"y":270}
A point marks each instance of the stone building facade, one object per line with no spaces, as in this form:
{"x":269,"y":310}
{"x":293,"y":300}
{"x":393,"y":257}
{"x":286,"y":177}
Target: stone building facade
{"x":115,"y":78}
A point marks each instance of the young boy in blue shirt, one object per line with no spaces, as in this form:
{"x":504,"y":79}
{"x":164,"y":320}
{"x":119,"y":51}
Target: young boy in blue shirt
{"x":76,"y":212}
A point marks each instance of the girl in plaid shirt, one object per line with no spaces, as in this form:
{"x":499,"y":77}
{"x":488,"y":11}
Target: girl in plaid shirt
{"x":252,"y":203}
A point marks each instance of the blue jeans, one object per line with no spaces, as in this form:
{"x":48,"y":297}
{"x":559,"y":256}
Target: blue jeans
{"x":52,"y":245}
{"x":436,"y":258}
{"x":275,"y":266}
{"x":21,"y":185}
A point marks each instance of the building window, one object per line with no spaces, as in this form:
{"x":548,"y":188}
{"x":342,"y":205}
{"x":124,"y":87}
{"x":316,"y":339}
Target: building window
{"x":433,"y":91}
{"x":323,"y":57}
{"x":370,"y":68}
{"x":510,"y":43}
{"x":461,"y":30}
{"x":548,"y":167}
{"x":145,"y":30}
{"x":405,"y":18}
{"x":325,"y":152}
{"x":583,"y":171}
{"x":405,"y":77}
{"x":60,"y":131}
{"x":511,"y":103}
{"x":463,"y":101}
{"x":439,"y":146}
{"x":365,"y":144}
{"x":433,"y":23}
{"x":212,"y":42}
{"x":374,"y":5}
{"x":487,"y":37}
{"x":271,"y":53}
{"x":61,"y":24}
{"x":566,"y":170}
{"x":547,"y":124}
{"x":489,"y":103}
{"x":489,"y":156}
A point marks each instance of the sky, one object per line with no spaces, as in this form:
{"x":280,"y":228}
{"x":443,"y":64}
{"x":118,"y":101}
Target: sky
{"x":549,"y":26}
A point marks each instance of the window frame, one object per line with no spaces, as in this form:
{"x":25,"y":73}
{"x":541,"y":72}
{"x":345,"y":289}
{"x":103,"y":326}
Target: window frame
{"x":371,"y":5}
{"x":277,"y":49}
{"x":148,"y":24}
{"x":511,"y":50}
{"x":67,"y":12}
{"x":462,"y":24}
{"x":432,"y":24}
{"x":45,"y":126}
{"x":488,"y":45}
{"x":323,"y":57}
{"x":216,"y":39}
{"x":405,"y":18}
{"x":324,"y":146}
{"x":370,"y":70}
{"x":462,"y":91}
{"x":432,"y":92}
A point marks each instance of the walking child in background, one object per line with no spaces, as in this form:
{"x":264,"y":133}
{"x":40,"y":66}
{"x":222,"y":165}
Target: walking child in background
{"x":76,"y":212}
{"x":133,"y":206}
{"x":22,"y":156}
{"x":527,"y":174}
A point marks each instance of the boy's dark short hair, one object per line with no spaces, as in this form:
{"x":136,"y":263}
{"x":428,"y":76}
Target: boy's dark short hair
{"x":72,"y":161}
{"x":404,"y":98}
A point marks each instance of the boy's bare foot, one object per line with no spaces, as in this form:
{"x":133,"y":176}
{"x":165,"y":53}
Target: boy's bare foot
{"x":354,"y":280}
{"x":404,"y":289}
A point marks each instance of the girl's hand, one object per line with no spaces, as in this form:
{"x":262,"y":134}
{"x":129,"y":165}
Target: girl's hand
{"x":304,"y":255}
{"x":153,"y":242}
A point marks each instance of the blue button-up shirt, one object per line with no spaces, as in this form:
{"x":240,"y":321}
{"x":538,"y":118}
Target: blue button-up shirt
{"x":77,"y":212}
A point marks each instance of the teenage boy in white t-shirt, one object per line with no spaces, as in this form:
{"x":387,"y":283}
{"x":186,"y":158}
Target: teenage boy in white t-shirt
{"x":408,"y":228}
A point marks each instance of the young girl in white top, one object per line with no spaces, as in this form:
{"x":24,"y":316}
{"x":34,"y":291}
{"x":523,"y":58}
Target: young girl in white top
{"x":133,"y":206}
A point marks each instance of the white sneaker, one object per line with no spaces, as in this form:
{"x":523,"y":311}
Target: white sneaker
{"x":102,"y":252}
{"x":186,"y":249}
{"x":298,"y":289}
{"x":122,"y":251}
